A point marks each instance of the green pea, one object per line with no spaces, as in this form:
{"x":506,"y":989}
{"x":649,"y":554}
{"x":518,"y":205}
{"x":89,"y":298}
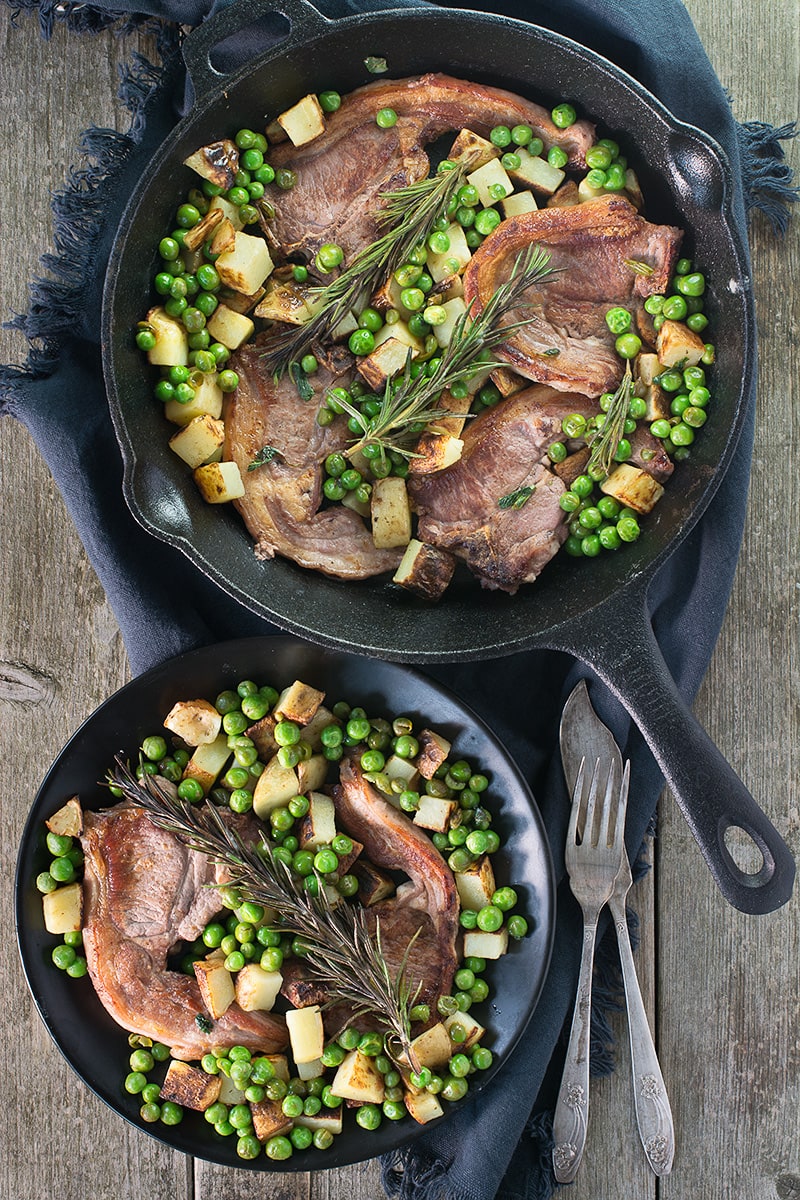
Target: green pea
{"x":361,"y":342}
{"x":517,"y":926}
{"x":454,"y":1088}
{"x":62,"y":870}
{"x":500,"y":136}
{"x":628,"y":529}
{"x":385,"y":118}
{"x":628,"y":345}
{"x":557,"y":157}
{"x":598,"y":157}
{"x":574,"y":425}
{"x":329,"y":101}
{"x":618,"y":320}
{"x":563,"y":115}
{"x":486,"y":221}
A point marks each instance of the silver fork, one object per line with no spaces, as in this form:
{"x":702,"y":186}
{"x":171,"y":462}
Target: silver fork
{"x":593,"y":862}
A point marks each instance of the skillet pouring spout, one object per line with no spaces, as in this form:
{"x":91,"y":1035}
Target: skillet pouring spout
{"x":708,"y":791}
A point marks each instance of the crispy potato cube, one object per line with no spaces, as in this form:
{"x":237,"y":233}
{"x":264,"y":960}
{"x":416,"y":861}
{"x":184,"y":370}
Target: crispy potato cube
{"x":63,"y":909}
{"x":312,"y":729}
{"x":566,"y":196}
{"x":246,"y":265}
{"x":387,"y":296}
{"x":280,"y":1065}
{"x":306,"y":1033}
{"x":434,"y":1047}
{"x":492,"y":175}
{"x":346,"y":861}
{"x":518,"y":203}
{"x":633,"y":488}
{"x":434,"y":813}
{"x":195,"y":721}
{"x":285,"y":302}
{"x":586,"y":192}
{"x":310,"y":1070}
{"x":473,"y":150}
{"x":422,"y":1106}
{"x":436,"y":451}
{"x":198,"y":441}
{"x":318,"y":827}
{"x":536,"y":173}
{"x":206,"y":402}
{"x":425,"y":570}
{"x":229,"y":211}
{"x":476,"y":884}
{"x":229,"y":327}
{"x":374,"y":885}
{"x":507,"y":381}
{"x":485,"y":945}
{"x":217,"y":162}
{"x":473,"y":1029}
{"x":658,"y":403}
{"x":274,"y":786}
{"x":403,"y":769}
{"x":633,"y":189}
{"x":433,"y":750}
{"x":399,"y":332}
{"x":311,"y":774}
{"x":216,"y":985}
{"x":207,"y":762}
{"x":190,"y":1087}
{"x":450,"y":262}
{"x":262,"y":733}
{"x":304,"y":121}
{"x":257,"y":989}
{"x":68,"y":820}
{"x":325,"y":1119}
{"x":219,"y":482}
{"x":391,"y":513}
{"x":200,"y":233}
{"x":678,"y":346}
{"x":229,"y":1093}
{"x":386,"y":360}
{"x":359,"y":1079}
{"x":172,"y":340}
{"x":269,"y":1119}
{"x":298,"y":702}
{"x":455,"y":309}
{"x":647,"y":368}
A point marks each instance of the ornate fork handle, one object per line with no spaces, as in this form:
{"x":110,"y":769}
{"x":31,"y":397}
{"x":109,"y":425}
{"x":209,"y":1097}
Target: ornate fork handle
{"x":653,"y":1112}
{"x":571,"y":1115}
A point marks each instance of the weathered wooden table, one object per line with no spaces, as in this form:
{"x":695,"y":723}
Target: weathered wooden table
{"x":723,"y":989}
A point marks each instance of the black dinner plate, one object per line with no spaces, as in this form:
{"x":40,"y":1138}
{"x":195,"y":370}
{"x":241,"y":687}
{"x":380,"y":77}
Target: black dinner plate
{"x":97,"y":1048}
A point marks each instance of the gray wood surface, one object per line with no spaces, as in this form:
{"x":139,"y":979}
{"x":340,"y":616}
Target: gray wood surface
{"x":722,"y":988}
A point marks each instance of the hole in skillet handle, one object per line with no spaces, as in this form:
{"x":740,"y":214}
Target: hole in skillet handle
{"x":240,"y":33}
{"x":748,"y":855}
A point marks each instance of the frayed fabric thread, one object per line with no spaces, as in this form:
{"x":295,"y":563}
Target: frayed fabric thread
{"x":767,"y":177}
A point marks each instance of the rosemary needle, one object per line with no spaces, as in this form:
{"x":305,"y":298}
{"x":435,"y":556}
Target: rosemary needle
{"x":606,"y":438}
{"x":339,"y":950}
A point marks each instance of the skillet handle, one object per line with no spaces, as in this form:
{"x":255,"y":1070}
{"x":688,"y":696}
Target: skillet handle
{"x":709,"y":793}
{"x":301,"y":22}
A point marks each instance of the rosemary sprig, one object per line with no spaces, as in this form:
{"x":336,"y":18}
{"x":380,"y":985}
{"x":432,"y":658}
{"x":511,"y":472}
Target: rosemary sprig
{"x":340,"y":952}
{"x":516,"y":499}
{"x":264,"y":456}
{"x":638,"y":267}
{"x":415,"y":402}
{"x":606,"y":438}
{"x":409,"y":215}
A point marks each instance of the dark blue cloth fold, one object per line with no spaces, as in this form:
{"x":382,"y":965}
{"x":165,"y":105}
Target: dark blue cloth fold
{"x":499,"y":1145}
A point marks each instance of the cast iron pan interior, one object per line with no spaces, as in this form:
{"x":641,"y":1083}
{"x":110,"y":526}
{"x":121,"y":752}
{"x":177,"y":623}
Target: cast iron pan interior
{"x":96,"y":1047}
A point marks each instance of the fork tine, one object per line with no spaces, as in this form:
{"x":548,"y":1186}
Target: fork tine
{"x":577,"y":793}
{"x":591,"y":804}
{"x":622,"y":805}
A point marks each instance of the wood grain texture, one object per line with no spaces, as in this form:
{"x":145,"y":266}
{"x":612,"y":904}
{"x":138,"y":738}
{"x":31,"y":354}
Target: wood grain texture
{"x":721,"y":988}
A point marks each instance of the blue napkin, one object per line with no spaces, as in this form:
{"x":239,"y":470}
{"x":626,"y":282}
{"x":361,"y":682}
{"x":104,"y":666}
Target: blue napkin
{"x":499,"y":1146}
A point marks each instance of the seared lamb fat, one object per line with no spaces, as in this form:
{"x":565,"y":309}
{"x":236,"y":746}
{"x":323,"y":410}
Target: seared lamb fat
{"x":504,"y":450}
{"x":342,"y":174}
{"x":595,"y":248}
{"x":428,"y":903}
{"x":143,"y":892}
{"x":281,"y":505}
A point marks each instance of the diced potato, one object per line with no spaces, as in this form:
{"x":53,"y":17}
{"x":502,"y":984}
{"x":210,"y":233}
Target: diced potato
{"x":391,"y":513}
{"x":198,"y":441}
{"x":658,"y":403}
{"x":190,"y":1087}
{"x":450,"y":262}
{"x":357,"y":1078}
{"x":536,"y":173}
{"x":344,"y":327}
{"x":386,"y":360}
{"x":224,"y":238}
{"x":403,"y":769}
{"x":325,"y":1119}
{"x":306,"y":1033}
{"x":219,"y":482}
{"x":473,"y":150}
{"x":318,"y":827}
{"x":200,"y":233}
{"x":206,"y":402}
{"x":485,"y":945}
{"x":269,"y":1119}
{"x":586,"y":192}
{"x":374,"y":885}
{"x":633,"y":189}
{"x":434,"y":1047}
{"x":172,"y":340}
{"x":245,"y":267}
{"x":566,"y":196}
{"x":315,"y":1068}
{"x":275,"y":785}
{"x":284,"y":302}
{"x":298,"y":702}
{"x":425,"y":570}
{"x":304,"y":121}
{"x":68,"y":820}
{"x":238,"y":302}
{"x":423,"y":1106}
{"x":195,"y":721}
{"x":229,"y":1093}
{"x":257,"y":989}
{"x":633,"y":488}
{"x":346,"y":861}
{"x":492,"y":175}
{"x":216,"y":985}
{"x":436,"y":451}
{"x":647,"y":368}
{"x":387,"y":296}
{"x":217,"y":162}
{"x":433,"y":750}
{"x":455,"y":309}
{"x":280,"y":1065}
{"x":399,"y":332}
{"x":678,"y":346}
{"x":311,"y":774}
{"x":507,"y":381}
{"x":229,"y":327}
{"x":473,"y":1028}
{"x":207,"y":762}
{"x":228,"y":210}
{"x":313,"y":728}
{"x":262,"y":733}
{"x":434,"y":813}
{"x":572,"y":466}
{"x":518,"y":203}
{"x":63,"y":909}
{"x":476,"y":884}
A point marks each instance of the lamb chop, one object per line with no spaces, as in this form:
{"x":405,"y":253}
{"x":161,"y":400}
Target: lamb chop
{"x":342,"y":175}
{"x":144,"y":891}
{"x":604,"y":254}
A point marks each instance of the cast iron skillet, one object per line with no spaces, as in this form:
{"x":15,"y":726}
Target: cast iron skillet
{"x":573,"y":607}
{"x":96,"y":1047}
